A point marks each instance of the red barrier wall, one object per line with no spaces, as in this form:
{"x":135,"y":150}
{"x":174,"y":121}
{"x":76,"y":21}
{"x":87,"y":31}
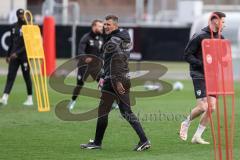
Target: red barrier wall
{"x":49,"y":43}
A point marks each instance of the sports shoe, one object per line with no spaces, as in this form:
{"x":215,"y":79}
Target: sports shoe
{"x":141,"y":146}
{"x":3,"y":101}
{"x":90,"y":145}
{"x":71,"y":105}
{"x":28,"y":102}
{"x":183,"y":133}
{"x":199,"y":140}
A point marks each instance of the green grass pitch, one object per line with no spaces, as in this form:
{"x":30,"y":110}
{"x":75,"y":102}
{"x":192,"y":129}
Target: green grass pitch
{"x":26,"y":134}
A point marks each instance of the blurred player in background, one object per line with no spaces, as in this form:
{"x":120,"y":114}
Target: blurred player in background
{"x":90,"y":44}
{"x":17,"y":57}
{"x":116,"y":84}
{"x":193,"y":55}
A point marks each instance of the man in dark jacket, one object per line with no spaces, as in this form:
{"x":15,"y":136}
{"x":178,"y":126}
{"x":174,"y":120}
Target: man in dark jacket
{"x":116,"y":84}
{"x":17,"y":57}
{"x":193,"y":55}
{"x":90,"y":51}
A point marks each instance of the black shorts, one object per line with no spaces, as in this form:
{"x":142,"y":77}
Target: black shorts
{"x":199,"y":87}
{"x":84,"y":72}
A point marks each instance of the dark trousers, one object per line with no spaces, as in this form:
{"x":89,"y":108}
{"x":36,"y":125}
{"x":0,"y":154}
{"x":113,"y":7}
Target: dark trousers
{"x":12,"y":72}
{"x":109,"y":94}
{"x":82,"y":75}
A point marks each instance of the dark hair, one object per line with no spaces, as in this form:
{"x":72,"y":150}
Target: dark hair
{"x":94,"y":22}
{"x":219,"y":14}
{"x":19,"y":12}
{"x":112,"y":17}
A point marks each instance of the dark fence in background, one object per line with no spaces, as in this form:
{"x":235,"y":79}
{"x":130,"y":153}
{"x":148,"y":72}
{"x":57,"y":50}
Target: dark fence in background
{"x":165,"y":44}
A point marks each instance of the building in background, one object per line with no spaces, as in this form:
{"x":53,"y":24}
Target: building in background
{"x":164,"y":23}
{"x":147,"y":12}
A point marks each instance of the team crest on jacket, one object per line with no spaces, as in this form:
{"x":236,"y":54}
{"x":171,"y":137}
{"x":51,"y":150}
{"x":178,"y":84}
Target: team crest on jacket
{"x":91,"y":42}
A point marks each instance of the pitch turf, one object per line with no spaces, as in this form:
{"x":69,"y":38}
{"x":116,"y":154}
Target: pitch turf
{"x":29,"y":135}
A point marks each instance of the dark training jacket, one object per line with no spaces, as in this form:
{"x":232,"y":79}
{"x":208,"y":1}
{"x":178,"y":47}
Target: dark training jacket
{"x":91,"y":43}
{"x":193,"y":52}
{"x":16,"y":41}
{"x":116,"y":49}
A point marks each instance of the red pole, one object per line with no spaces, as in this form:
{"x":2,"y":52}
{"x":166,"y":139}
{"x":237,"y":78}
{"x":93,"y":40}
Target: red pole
{"x":49,"y":43}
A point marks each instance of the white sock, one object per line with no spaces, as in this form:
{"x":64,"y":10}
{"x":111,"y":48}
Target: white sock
{"x":5,"y":96}
{"x":29,"y":98}
{"x":199,"y":131}
{"x":187,"y":121}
